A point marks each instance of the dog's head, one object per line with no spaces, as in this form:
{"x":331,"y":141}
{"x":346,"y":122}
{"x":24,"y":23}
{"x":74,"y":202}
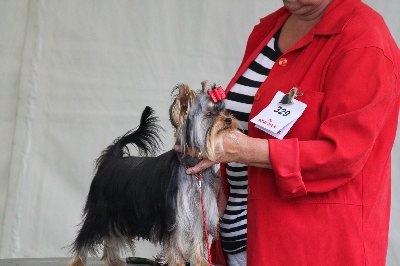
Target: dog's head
{"x":200,"y":118}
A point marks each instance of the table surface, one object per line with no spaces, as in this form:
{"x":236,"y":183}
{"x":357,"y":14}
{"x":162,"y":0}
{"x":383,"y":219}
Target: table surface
{"x":52,"y":262}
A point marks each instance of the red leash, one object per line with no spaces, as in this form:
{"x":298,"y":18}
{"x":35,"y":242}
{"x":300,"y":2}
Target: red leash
{"x":198,"y":177}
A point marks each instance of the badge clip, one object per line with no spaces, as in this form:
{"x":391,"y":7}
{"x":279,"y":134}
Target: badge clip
{"x":288,"y":98}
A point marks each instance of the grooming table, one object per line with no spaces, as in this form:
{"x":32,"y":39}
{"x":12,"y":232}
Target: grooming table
{"x":53,"y":262}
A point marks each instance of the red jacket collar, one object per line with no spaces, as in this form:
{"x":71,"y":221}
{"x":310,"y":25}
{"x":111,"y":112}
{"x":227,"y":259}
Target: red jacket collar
{"x":334,"y":20}
{"x":336,"y":16}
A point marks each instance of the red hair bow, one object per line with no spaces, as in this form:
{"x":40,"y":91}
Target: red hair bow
{"x":217,"y":94}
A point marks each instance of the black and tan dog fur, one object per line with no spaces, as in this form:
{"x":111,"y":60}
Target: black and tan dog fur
{"x":151,"y":197}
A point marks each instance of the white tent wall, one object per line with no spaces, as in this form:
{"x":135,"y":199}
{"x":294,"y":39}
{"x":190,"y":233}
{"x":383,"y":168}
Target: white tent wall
{"x":76,"y":74}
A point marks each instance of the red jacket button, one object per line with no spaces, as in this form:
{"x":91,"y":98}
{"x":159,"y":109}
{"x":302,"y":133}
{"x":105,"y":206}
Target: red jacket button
{"x":282,"y":62}
{"x":257,"y":96}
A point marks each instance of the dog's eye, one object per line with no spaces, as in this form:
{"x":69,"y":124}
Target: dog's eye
{"x":209,"y":114}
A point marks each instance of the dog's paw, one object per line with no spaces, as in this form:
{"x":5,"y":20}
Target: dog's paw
{"x":200,"y":261}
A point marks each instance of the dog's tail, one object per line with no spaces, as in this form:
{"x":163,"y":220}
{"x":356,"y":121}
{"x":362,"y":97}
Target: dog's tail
{"x":146,"y":137}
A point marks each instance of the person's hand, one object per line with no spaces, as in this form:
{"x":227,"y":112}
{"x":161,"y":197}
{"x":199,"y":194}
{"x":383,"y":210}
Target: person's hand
{"x":203,"y":164}
{"x":228,"y":151}
{"x":235,"y":147}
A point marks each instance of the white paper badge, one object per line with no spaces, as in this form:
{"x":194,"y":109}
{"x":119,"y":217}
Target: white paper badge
{"x":277,"y":118}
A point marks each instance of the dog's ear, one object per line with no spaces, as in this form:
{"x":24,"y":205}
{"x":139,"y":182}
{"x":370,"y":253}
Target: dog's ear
{"x":204,"y":86}
{"x":183,"y":99}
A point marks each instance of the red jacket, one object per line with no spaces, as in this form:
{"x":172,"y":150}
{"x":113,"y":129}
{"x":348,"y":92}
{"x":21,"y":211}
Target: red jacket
{"x":327,"y":199}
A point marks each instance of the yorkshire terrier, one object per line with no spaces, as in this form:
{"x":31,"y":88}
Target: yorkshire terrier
{"x":152,"y":198}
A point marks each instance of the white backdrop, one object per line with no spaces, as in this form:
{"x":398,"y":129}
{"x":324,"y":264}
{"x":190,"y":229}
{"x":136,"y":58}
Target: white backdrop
{"x":76,"y":74}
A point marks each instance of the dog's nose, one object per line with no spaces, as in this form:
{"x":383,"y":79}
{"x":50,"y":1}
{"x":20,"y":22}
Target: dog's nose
{"x":228,"y":121}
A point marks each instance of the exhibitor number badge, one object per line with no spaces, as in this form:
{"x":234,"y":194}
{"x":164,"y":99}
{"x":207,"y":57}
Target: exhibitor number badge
{"x":280,"y":115}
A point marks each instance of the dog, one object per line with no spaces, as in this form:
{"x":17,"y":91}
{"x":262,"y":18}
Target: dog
{"x":151,"y":197}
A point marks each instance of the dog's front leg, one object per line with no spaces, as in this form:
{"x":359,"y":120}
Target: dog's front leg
{"x":172,"y":253}
{"x":199,"y":256}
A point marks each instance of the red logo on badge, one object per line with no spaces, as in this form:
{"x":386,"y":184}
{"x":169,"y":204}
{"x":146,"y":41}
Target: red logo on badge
{"x":268,"y":123}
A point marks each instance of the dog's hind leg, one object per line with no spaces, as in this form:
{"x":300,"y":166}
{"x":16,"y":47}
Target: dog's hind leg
{"x":112,"y":246}
{"x":80,"y":251}
{"x":79,"y":259}
{"x":131,"y":245}
{"x":76,"y":261}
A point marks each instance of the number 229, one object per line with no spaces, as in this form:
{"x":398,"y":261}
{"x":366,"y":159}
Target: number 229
{"x":282,"y":111}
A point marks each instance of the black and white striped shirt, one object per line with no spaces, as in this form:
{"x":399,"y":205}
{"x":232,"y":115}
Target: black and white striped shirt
{"x":239,"y":102}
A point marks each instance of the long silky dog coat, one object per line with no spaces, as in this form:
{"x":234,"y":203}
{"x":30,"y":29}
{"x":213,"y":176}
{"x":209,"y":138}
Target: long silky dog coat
{"x":152,"y":198}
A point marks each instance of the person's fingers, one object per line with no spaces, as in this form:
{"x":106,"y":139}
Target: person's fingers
{"x":202,"y":165}
{"x":191,"y":152}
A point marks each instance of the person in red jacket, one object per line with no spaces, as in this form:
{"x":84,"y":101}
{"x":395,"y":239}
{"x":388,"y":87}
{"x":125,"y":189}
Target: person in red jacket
{"x":309,"y":183}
